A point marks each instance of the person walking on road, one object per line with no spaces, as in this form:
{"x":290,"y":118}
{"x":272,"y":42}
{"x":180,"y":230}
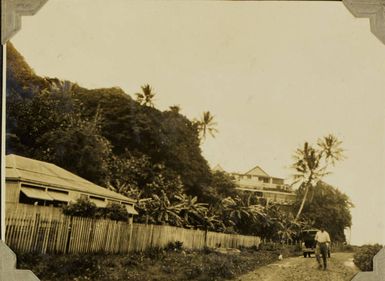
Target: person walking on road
{"x":322,"y":238}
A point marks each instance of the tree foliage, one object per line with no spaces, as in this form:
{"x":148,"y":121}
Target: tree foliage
{"x":99,"y":126}
{"x":329,"y":208}
{"x":83,"y":207}
{"x":363,"y":258}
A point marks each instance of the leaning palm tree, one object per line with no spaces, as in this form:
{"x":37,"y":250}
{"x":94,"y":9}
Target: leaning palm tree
{"x":146,"y":97}
{"x":311,"y":164}
{"x":206,"y":125}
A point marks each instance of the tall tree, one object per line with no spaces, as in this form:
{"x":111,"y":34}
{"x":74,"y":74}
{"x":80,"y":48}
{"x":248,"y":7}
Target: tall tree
{"x":311,"y":164}
{"x":330,"y":208}
{"x":207,"y":125}
{"x":146,"y":97}
{"x":79,"y":148}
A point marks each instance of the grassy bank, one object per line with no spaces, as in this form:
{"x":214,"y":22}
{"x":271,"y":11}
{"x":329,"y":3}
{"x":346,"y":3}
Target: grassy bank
{"x":154,"y":264}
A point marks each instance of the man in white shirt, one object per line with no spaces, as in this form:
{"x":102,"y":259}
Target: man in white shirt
{"x":322,"y":238}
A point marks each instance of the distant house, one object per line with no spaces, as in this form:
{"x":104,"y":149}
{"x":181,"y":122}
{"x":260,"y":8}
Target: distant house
{"x":256,"y":180}
{"x":273,"y":189}
{"x":34,"y":182}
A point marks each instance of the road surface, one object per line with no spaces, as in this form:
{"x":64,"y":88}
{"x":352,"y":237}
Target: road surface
{"x":340,"y":268}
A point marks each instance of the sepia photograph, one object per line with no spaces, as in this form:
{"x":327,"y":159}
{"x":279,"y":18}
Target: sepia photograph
{"x":192,"y":140}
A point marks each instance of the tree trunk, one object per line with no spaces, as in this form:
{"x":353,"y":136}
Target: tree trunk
{"x":303,"y":202}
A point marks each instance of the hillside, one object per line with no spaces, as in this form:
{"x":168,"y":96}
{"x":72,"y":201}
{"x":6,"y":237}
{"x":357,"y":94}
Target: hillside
{"x":98,"y":132}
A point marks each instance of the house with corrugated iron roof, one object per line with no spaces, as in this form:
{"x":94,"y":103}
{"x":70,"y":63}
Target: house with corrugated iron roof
{"x":34,"y":182}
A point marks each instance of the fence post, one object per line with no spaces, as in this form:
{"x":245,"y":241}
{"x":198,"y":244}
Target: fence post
{"x":68,"y":236}
{"x":130,"y":237}
{"x":206,"y":237}
{"x":36,"y":231}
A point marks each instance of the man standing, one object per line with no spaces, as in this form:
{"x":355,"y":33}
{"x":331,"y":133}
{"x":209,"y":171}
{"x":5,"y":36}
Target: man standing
{"x":322,"y":238}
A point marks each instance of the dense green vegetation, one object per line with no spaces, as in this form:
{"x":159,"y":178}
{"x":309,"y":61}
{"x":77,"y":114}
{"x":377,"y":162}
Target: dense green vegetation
{"x":329,"y":208}
{"x":154,"y":157}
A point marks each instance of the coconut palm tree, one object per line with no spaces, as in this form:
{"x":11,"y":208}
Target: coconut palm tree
{"x":146,"y":97}
{"x":206,"y":125}
{"x":311,"y":164}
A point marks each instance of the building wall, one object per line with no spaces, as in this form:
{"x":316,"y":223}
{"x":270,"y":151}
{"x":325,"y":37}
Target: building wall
{"x":279,"y":197}
{"x":12,"y":191}
{"x":255,"y":182}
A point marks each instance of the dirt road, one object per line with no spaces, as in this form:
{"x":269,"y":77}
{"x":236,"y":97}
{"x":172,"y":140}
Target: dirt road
{"x":340,"y":268}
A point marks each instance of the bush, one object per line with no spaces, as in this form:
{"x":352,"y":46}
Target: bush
{"x":83,"y":207}
{"x":174,"y":246}
{"x":114,"y":211}
{"x":154,"y":253}
{"x":363,"y":258}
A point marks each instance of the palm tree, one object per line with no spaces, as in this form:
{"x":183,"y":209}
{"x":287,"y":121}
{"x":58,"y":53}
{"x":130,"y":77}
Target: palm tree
{"x":207,"y":125}
{"x":146,"y":97}
{"x":311,"y":164}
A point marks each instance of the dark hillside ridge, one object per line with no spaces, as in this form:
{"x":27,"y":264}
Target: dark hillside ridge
{"x":39,"y":107}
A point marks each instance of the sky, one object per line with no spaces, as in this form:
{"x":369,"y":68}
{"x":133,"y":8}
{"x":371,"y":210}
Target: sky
{"x":274,"y":75}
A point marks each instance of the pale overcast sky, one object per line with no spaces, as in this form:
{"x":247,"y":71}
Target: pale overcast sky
{"x":274,"y":74}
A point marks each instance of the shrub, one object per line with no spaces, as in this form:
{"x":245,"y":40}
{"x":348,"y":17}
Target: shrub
{"x":174,"y":246}
{"x":83,"y":207}
{"x":363,"y":258}
{"x":154,"y":253}
{"x":114,"y":211}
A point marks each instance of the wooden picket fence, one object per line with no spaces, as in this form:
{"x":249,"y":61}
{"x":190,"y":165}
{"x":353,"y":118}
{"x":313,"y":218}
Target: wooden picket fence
{"x":50,"y":232}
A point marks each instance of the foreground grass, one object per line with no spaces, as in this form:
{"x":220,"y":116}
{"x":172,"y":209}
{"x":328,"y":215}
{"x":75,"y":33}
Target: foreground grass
{"x":154,"y":264}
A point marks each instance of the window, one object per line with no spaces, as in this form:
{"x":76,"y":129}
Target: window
{"x":33,"y":186}
{"x":97,"y":198}
{"x":265,"y":180}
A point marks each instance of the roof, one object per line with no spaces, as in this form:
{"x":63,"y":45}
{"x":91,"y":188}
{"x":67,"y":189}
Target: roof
{"x":218,"y":168}
{"x":257,"y":171}
{"x":39,"y":172}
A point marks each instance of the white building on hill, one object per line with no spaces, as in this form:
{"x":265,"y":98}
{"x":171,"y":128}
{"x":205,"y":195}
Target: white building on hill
{"x":256,"y":180}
